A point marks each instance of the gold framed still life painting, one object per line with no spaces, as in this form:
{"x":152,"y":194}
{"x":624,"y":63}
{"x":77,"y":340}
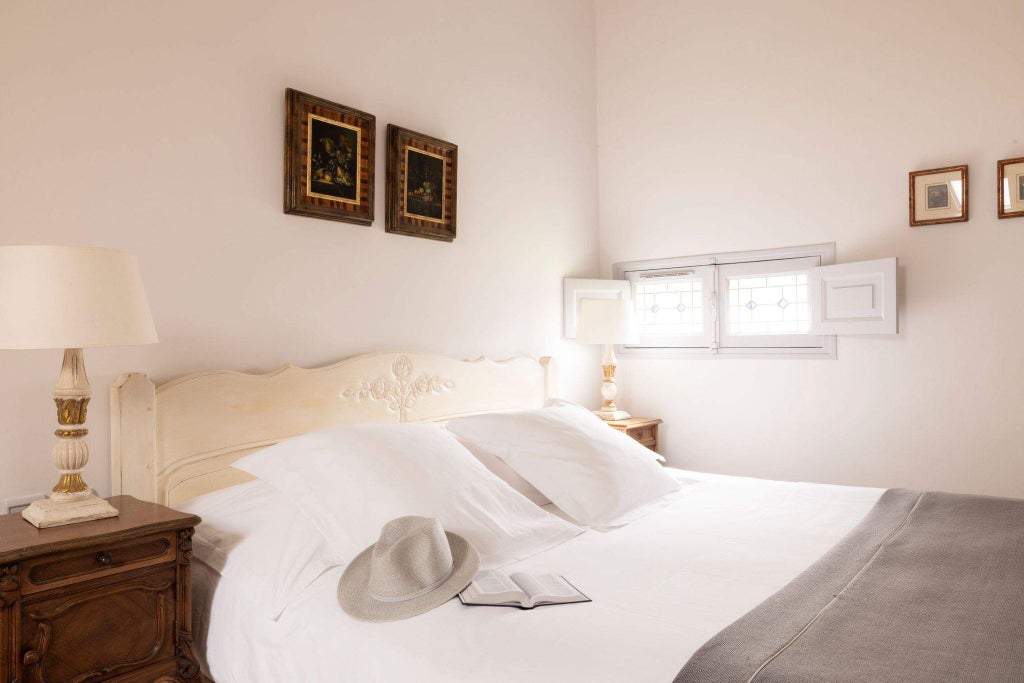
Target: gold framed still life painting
{"x":938,"y":195}
{"x":421,"y":185}
{"x":1011,"y":188}
{"x":329,"y":155}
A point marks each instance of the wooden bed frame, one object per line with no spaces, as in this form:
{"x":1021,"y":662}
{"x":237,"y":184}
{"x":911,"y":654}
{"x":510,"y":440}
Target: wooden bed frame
{"x":176,"y":441}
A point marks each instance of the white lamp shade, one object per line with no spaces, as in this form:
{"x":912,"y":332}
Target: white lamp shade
{"x":606,"y":321}
{"x":71,"y":297}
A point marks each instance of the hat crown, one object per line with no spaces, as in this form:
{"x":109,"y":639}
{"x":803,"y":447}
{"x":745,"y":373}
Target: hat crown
{"x":411,"y":558}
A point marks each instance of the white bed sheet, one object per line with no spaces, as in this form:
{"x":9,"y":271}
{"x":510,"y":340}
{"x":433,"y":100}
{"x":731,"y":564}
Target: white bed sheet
{"x":661,"y":587}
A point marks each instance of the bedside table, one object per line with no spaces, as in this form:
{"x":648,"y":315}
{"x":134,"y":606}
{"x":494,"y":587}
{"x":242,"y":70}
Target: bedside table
{"x":98,"y":601}
{"x":642,"y":429}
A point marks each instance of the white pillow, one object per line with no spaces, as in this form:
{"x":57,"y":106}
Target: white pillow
{"x":502,"y":471}
{"x":595,"y":474}
{"x":251,"y":533}
{"x":349,"y":481}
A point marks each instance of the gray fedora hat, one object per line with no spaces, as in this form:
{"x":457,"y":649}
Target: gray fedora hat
{"x":413,"y":567}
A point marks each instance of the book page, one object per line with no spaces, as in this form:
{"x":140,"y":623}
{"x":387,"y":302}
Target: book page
{"x":492,"y":587}
{"x":545,"y":587}
{"x":494,"y":581}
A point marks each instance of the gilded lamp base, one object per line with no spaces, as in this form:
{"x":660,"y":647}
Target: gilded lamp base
{"x":612,"y":415}
{"x":71,"y":500}
{"x":609,"y":411}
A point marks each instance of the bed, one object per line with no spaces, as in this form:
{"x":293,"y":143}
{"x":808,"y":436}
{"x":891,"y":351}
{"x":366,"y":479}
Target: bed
{"x":713,"y":560}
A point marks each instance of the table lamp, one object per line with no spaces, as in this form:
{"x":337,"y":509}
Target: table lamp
{"x":608,"y":322}
{"x":71,"y":298}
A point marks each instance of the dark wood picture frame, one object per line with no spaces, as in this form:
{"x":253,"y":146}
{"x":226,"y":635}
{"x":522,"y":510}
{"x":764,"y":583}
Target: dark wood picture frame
{"x":324,"y":177}
{"x":422,"y":179}
{"x":914,"y":199}
{"x":1016,"y":187}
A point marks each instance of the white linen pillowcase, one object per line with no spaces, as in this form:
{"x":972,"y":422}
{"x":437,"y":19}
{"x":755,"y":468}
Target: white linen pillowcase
{"x":251,"y":533}
{"x":597,"y":475}
{"x":501,"y":470}
{"x":350,"y":480}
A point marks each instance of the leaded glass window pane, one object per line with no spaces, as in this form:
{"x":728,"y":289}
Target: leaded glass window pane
{"x":669,"y":307}
{"x":768,"y":304}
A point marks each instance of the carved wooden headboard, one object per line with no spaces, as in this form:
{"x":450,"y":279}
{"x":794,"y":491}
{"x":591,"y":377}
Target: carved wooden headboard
{"x":178,"y":440}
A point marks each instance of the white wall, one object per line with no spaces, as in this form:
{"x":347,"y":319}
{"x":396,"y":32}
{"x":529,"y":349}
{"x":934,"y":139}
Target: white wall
{"x":158,"y":127}
{"x":751,"y":124}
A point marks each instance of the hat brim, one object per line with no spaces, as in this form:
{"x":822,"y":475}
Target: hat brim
{"x":355,"y":599}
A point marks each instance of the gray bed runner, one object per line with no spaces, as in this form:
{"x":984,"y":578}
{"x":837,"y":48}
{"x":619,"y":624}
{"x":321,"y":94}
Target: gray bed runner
{"x":928,"y":587}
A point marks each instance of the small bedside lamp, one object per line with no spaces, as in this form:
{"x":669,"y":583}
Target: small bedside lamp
{"x":71,"y":298}
{"x":608,"y":322}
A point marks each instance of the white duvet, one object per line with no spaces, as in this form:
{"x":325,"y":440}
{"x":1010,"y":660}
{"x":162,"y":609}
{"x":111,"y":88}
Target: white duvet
{"x":661,"y":587}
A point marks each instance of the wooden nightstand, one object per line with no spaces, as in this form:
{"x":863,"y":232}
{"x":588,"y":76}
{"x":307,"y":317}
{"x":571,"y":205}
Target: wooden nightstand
{"x":98,"y":601}
{"x":643,"y":429}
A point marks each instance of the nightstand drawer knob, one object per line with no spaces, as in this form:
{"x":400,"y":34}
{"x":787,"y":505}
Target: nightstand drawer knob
{"x":104,"y":559}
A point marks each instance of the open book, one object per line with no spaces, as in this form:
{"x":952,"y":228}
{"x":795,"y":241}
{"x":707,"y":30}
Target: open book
{"x":525,"y":591}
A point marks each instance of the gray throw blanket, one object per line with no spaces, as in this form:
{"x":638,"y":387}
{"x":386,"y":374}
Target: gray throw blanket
{"x":928,"y":587}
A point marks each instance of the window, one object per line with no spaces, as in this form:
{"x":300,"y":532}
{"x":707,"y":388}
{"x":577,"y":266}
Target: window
{"x":774,"y":302}
{"x":749,"y":303}
{"x":766,"y":304}
{"x":670,"y":306}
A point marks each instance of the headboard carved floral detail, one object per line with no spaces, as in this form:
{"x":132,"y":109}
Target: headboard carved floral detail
{"x":400,"y":391}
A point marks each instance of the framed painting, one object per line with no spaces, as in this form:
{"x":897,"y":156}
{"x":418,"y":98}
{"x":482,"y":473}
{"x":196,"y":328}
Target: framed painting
{"x":1011,"y":187}
{"x":938,"y":195}
{"x":421,"y":185}
{"x":329,"y":154}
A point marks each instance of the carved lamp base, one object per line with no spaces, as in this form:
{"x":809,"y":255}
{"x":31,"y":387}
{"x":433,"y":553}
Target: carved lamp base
{"x":609,"y":411}
{"x":71,"y":500}
{"x":54,"y":512}
{"x":612,"y":415}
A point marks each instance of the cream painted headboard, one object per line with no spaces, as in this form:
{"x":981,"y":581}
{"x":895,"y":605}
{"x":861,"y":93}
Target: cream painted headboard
{"x":178,"y":440}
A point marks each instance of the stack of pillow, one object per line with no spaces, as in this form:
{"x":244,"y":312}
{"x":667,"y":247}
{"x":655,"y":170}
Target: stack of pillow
{"x":321,"y":498}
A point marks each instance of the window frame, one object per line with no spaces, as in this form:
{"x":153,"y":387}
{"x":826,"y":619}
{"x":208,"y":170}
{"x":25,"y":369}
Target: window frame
{"x":629,"y":270}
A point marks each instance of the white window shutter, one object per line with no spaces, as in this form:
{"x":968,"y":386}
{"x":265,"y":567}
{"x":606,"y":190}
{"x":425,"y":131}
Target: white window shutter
{"x":573,"y":291}
{"x":854,"y":298}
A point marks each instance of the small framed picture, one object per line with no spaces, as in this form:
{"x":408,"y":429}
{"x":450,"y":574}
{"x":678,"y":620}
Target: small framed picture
{"x":421,"y":185}
{"x":329,"y":153}
{"x":938,"y":195}
{"x":1011,"y":188}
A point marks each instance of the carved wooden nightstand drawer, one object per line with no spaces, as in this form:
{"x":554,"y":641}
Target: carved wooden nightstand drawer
{"x":643,"y":429}
{"x":107,"y":600}
{"x":61,"y":569}
{"x":644,"y":435}
{"x":82,"y":636}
